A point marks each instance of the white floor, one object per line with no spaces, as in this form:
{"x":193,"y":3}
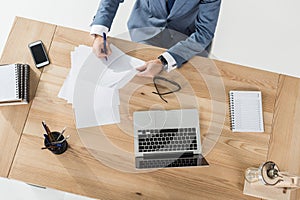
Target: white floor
{"x":17,"y":190}
{"x":259,"y":34}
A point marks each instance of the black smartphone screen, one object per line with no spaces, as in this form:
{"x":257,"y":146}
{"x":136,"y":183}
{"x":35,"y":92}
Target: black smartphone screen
{"x":38,"y":54}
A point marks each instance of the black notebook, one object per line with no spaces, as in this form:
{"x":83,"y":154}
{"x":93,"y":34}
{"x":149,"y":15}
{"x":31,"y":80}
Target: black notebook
{"x":14,"y":84}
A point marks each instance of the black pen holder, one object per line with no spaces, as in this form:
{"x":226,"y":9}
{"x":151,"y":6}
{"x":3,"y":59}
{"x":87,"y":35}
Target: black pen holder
{"x":57,"y":147}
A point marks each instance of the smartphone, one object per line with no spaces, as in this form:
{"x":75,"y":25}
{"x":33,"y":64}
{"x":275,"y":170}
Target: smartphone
{"x":39,"y":54}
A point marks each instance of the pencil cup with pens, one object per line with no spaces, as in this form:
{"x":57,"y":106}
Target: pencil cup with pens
{"x":55,"y":141}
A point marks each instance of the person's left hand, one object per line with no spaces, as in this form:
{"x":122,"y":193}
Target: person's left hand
{"x":150,"y":68}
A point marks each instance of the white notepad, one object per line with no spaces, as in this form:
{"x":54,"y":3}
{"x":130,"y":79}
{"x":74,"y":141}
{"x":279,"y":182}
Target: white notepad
{"x":246,"y":111}
{"x":9,"y":83}
{"x":14,"y":84}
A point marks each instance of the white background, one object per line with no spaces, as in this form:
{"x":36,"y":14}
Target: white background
{"x":262,"y":34}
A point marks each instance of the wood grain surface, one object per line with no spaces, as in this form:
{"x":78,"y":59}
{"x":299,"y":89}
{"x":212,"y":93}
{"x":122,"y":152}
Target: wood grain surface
{"x":13,"y":118}
{"x":285,"y":141}
{"x":89,"y":169}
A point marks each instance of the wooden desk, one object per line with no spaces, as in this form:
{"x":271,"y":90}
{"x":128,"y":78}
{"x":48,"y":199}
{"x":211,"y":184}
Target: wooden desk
{"x":78,"y":171}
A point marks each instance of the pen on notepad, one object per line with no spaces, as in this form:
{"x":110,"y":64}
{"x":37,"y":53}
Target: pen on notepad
{"x":105,"y":45}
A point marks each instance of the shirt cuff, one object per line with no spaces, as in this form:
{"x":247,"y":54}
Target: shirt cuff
{"x":171,"y":61}
{"x":98,"y":30}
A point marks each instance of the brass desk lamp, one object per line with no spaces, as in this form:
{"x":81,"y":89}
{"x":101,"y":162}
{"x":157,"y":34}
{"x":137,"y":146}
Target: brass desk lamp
{"x":268,"y":174}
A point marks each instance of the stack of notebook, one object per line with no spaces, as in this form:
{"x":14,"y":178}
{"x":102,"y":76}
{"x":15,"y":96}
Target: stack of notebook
{"x":14,"y":84}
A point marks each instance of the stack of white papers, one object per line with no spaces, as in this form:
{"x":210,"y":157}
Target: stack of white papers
{"x":92,"y":85}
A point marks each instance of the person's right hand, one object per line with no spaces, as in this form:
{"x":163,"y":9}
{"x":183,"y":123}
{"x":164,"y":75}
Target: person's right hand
{"x":98,"y":47}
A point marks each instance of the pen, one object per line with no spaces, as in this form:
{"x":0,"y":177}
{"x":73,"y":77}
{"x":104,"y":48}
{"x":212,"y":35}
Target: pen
{"x":48,"y":131}
{"x":48,"y":142}
{"x":104,"y":43}
{"x":49,"y":147}
{"x":60,"y":142}
{"x":46,"y":138}
{"x":62,"y":132}
{"x":52,"y":144}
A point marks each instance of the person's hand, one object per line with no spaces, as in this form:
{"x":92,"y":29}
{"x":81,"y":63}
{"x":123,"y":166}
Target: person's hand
{"x":150,"y":68}
{"x":98,"y":47}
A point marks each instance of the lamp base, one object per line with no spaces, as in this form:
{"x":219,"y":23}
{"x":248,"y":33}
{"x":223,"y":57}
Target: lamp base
{"x":259,"y":190}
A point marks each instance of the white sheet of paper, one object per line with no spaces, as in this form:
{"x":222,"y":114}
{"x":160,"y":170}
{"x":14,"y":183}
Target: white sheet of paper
{"x":134,"y":62}
{"x":78,"y":57}
{"x":106,"y":97}
{"x":120,"y":72}
{"x":90,"y":79}
{"x":89,"y":113}
{"x":86,"y":84}
{"x":98,"y":116}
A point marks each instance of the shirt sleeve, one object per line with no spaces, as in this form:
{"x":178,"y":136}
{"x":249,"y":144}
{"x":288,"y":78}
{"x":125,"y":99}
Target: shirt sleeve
{"x":98,"y":30}
{"x":171,"y":61}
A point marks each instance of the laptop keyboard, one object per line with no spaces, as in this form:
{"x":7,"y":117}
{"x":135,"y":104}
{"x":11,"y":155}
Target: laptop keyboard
{"x":179,"y":162}
{"x":167,"y":140}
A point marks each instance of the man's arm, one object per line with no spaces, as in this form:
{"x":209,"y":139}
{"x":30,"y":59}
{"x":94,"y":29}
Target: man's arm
{"x":102,"y":23}
{"x":196,"y":43}
{"x":106,"y":12}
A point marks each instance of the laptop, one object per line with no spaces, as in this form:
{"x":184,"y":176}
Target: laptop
{"x":165,"y":139}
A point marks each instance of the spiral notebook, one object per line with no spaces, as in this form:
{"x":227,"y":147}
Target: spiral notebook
{"x":246,"y":111}
{"x":14,"y":84}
